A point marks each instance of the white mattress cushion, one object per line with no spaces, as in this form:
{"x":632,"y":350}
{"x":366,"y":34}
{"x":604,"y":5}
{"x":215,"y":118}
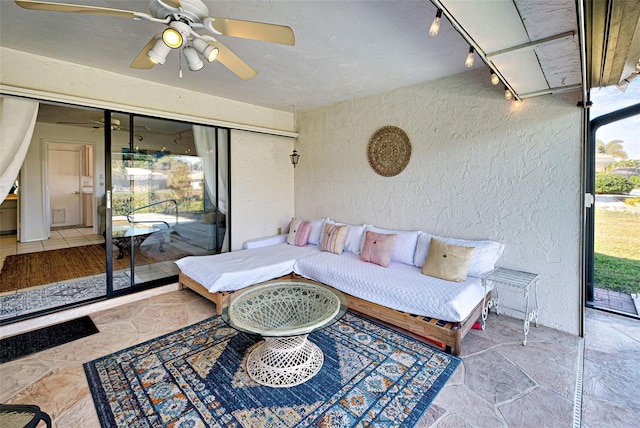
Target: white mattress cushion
{"x":239,"y":269}
{"x":264,"y":241}
{"x":400,"y":286}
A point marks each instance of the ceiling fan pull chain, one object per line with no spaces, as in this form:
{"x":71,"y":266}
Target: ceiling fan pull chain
{"x":180,"y":60}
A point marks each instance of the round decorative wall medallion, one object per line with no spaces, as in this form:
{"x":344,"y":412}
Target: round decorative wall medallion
{"x":389,"y":151}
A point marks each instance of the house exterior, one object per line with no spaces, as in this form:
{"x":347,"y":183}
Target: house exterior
{"x":480,"y":167}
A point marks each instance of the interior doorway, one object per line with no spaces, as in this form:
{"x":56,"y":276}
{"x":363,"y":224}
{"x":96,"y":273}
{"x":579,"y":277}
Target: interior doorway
{"x":64,"y":182}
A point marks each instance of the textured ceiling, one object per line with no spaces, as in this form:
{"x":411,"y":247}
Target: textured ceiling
{"x":344,"y":49}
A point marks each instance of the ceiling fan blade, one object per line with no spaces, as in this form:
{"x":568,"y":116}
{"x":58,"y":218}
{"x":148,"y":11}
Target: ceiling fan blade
{"x":172,"y":3}
{"x":233,"y":62}
{"x":254,"y":30}
{"x":77,"y":123}
{"x":142,"y":61}
{"x":74,"y":8}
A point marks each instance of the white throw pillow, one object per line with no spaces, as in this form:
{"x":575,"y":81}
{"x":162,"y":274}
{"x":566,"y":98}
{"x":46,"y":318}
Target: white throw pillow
{"x":316,"y":231}
{"x":484,"y":259}
{"x":405,"y":246}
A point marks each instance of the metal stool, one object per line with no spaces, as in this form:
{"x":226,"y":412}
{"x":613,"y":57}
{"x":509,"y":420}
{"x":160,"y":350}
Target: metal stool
{"x":22,"y":416}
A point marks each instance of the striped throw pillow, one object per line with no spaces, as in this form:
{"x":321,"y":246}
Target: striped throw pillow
{"x":333,"y":238}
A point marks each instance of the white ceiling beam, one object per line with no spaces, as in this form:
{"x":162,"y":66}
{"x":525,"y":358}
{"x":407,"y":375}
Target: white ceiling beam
{"x":556,"y":90}
{"x":558,"y":37}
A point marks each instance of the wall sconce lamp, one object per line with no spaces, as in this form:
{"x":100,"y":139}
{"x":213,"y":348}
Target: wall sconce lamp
{"x":294,"y":158}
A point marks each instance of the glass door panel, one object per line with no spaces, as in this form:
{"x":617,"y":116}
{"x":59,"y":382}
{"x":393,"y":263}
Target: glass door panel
{"x":161,"y":209}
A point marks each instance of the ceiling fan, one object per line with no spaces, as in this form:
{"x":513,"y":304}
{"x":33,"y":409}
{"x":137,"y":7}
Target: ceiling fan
{"x":99,"y":124}
{"x":189,"y":27}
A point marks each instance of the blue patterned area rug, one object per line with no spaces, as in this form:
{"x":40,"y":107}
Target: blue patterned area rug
{"x":195,"y":377}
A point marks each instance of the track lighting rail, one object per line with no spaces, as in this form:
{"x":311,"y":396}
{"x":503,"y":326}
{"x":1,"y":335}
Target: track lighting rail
{"x":474,"y":45}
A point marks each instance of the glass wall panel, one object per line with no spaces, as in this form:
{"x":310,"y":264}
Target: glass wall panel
{"x":163,"y":208}
{"x":104,"y":203}
{"x":51,"y":245}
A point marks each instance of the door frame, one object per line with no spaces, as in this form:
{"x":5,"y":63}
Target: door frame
{"x":590,"y":170}
{"x":45,"y":176}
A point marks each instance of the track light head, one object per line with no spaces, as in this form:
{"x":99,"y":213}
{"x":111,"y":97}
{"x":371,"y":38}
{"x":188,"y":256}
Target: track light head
{"x":494,"y":78}
{"x":435,"y":25}
{"x":507,"y":94}
{"x":470,"y":58}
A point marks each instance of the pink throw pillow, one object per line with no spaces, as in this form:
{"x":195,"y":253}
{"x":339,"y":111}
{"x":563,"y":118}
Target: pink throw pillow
{"x":302,"y":235}
{"x":377,"y":248}
{"x":298,"y":232}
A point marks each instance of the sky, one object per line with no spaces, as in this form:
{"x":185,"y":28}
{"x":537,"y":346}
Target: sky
{"x":606,"y":100}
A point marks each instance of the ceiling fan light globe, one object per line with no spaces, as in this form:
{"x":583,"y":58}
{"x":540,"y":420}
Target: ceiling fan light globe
{"x":159,"y":52}
{"x":211,"y":53}
{"x":193,"y":60}
{"x":172,"y":38}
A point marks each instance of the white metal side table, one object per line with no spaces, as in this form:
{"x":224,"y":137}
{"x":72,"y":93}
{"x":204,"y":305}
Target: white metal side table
{"x":524,"y":281}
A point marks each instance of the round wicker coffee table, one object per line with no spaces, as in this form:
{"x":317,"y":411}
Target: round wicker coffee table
{"x":284,"y":313}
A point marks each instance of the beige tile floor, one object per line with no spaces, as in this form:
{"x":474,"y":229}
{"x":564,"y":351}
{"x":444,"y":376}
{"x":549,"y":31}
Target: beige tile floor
{"x":500,"y":382}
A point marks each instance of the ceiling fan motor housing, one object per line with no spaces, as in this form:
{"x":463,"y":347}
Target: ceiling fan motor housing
{"x":193,"y":10}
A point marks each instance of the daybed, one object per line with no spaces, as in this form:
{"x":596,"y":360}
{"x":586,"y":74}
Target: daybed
{"x":437,"y":309}
{"x":207,"y":233}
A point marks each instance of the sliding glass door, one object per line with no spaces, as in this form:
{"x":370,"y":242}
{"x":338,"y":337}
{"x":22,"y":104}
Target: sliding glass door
{"x":103,"y":205}
{"x":168,"y":197}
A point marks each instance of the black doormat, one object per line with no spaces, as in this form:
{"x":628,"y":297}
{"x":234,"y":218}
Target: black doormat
{"x":29,"y":343}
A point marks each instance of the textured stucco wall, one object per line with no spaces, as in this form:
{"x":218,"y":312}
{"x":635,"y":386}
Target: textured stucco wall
{"x":480,"y":168}
{"x":261,"y":185}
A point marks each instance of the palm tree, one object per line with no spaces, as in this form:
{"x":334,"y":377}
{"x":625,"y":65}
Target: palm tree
{"x":612,"y":148}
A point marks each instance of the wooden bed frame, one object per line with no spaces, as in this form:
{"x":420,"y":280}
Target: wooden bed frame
{"x":443,"y":334}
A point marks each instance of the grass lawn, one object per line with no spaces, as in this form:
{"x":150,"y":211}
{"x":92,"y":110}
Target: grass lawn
{"x":617,"y":251}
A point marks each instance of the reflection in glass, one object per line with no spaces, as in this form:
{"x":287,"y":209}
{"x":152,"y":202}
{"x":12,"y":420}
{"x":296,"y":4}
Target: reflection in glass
{"x":166,"y":202}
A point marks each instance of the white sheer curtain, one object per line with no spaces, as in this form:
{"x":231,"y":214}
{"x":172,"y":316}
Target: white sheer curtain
{"x":17,"y":120}
{"x":204,"y":138}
